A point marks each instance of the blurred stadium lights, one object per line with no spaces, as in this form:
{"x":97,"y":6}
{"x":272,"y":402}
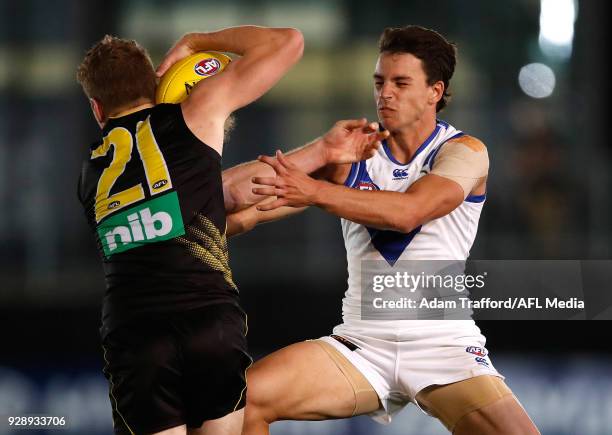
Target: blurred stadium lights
{"x":48,"y":68}
{"x":537,"y":80}
{"x":41,"y":70}
{"x":557,"y":18}
{"x":322,"y":22}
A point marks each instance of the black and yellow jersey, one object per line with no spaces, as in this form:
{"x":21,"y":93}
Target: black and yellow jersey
{"x":153,"y":195}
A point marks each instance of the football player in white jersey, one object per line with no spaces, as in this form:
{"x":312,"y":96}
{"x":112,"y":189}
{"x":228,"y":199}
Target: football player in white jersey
{"x":419,"y":197}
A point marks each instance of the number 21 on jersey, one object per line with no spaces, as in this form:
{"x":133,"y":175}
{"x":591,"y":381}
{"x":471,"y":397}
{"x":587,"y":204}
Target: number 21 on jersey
{"x":155,"y":168}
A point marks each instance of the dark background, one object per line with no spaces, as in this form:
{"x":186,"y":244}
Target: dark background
{"x":548,"y":189}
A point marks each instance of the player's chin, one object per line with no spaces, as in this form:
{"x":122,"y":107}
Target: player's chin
{"x":387,"y":120}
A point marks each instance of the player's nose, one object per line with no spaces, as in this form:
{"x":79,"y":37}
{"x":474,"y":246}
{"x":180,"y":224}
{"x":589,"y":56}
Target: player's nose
{"x":383,"y":99}
{"x":385,"y":91}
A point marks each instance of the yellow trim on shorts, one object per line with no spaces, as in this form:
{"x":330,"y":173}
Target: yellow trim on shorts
{"x":246,"y":331}
{"x":245,"y":386}
{"x":112,"y":385}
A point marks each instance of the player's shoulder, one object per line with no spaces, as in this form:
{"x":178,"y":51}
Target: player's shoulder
{"x":166,"y":110}
{"x":167,"y":118}
{"x":471,"y":142}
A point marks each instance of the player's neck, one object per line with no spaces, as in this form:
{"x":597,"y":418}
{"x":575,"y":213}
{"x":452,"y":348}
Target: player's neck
{"x":405,"y":142}
{"x":123,"y":111}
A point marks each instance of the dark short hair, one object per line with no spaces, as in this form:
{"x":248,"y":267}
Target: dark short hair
{"x":117,"y":72}
{"x":438,"y":55}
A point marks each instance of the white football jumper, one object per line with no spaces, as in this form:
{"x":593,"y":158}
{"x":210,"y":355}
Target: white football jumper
{"x":401,"y":357}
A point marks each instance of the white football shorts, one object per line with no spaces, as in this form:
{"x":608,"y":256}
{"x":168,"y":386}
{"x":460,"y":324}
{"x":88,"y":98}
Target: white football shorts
{"x":400,"y":362}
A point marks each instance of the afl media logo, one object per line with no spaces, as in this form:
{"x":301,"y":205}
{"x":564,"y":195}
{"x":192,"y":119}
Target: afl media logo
{"x":207,"y":67}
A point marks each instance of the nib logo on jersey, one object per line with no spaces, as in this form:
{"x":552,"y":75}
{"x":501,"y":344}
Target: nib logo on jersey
{"x":152,"y":221}
{"x":400,"y":174}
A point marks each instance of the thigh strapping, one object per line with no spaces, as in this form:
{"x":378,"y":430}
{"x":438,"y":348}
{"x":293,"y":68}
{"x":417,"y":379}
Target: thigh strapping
{"x":449,"y":403}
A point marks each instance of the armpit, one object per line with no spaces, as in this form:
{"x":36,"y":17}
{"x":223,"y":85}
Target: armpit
{"x":464,"y":161}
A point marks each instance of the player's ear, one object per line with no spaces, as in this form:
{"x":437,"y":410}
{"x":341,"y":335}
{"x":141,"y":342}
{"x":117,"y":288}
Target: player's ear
{"x":436,"y":92}
{"x":98,"y":111}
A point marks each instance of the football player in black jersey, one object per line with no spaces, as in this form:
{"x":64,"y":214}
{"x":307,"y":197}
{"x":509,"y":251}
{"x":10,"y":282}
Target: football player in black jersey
{"x":173,"y":332}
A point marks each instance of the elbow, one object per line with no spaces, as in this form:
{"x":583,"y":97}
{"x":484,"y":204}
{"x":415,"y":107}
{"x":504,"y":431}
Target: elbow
{"x":404,"y":223}
{"x":402,"y":227}
{"x":291,"y":41}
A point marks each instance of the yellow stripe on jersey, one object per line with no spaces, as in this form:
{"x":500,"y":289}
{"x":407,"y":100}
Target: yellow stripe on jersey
{"x":156,"y":170}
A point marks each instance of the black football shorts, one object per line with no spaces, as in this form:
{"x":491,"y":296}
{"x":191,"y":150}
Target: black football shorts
{"x":183,"y":368}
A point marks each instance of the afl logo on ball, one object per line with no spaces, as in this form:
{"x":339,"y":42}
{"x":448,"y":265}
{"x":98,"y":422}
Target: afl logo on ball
{"x":207,"y":67}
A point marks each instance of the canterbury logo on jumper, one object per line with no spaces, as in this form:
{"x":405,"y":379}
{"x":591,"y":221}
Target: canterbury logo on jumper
{"x":400,"y":174}
{"x":152,"y":221}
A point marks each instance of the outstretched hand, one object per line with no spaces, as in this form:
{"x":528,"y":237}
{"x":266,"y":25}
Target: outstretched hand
{"x":292,"y":186}
{"x":352,"y":140}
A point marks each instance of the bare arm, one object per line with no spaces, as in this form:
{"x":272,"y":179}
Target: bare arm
{"x":245,"y":220}
{"x":237,"y":180}
{"x":346,"y":142}
{"x":266,"y":55}
{"x":430,"y":197}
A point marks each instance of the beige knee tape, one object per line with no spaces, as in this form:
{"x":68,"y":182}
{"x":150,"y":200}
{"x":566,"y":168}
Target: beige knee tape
{"x":366,"y":399}
{"x":463,"y":162}
{"x":449,"y":403}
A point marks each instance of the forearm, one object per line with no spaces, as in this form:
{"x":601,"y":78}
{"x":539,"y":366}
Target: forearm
{"x":245,"y":220}
{"x":240,"y":222}
{"x":378,"y":209}
{"x":241,"y":39}
{"x":237,"y":184}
